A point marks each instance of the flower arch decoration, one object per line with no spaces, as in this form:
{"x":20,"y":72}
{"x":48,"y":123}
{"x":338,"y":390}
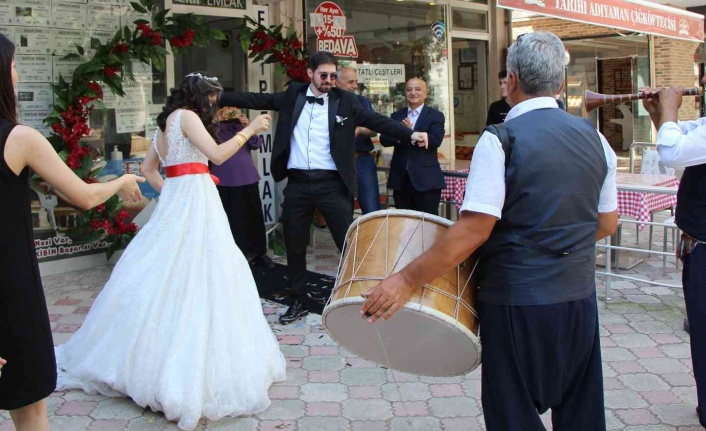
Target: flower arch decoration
{"x":276,"y":45}
{"x":76,"y":97}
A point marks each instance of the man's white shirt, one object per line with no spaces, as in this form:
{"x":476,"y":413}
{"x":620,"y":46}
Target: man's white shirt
{"x":485,"y":187}
{"x":682,"y":144}
{"x":310,"y":145}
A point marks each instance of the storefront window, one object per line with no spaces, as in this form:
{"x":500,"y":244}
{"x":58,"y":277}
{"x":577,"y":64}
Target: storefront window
{"x":395,"y":41}
{"x":610,"y":65}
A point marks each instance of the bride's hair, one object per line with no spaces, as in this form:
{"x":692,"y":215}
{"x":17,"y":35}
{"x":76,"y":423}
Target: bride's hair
{"x":192,"y":94}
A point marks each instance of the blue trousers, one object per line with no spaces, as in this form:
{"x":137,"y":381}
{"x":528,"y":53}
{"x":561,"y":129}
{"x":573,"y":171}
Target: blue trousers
{"x":694,"y":282}
{"x":368,"y":191}
{"x":540,"y":357}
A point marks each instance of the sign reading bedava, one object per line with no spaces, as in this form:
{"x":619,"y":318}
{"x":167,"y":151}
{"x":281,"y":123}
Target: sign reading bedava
{"x":225,"y":4}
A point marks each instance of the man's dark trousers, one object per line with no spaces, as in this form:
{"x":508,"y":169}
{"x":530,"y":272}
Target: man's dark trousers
{"x":694,"y":282}
{"x":305,"y":191}
{"x":565,"y":375}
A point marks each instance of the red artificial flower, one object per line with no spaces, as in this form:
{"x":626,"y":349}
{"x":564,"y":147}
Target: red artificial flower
{"x":121,"y":47}
{"x":156,"y":38}
{"x":145,"y":29}
{"x":56,"y":127}
{"x":110,"y":71}
{"x":96,"y":88}
{"x":296,"y":44}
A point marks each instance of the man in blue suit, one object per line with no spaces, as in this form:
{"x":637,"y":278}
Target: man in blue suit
{"x":415,"y":175}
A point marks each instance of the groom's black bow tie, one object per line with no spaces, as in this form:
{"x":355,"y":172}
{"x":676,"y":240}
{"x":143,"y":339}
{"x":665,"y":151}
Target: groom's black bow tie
{"x":312,"y":99}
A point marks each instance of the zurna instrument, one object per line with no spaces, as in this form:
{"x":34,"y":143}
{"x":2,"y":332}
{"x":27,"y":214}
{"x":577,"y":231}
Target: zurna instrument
{"x":596,"y":100}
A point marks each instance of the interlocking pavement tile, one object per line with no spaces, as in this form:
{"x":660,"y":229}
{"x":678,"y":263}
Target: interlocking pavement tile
{"x":232,"y":424}
{"x":278,"y":426}
{"x":442,"y":380}
{"x":651,"y":327}
{"x":626,"y":367}
{"x":67,"y":301}
{"x":663,"y":365}
{"x":319,"y":339}
{"x":607,"y":342}
{"x":291,"y":351}
{"x":447,"y":390}
{"x":612,"y":383}
{"x":368,"y":426}
{"x":148,"y":422}
{"x":322,"y":423}
{"x":284,"y":393}
{"x":323,"y":363}
{"x":324,"y":377}
{"x":678,"y":379}
{"x":323,"y":409}
{"x":415,"y":424}
{"x":637,"y":417}
{"x":295,"y":377}
{"x":643,"y":382}
{"x":638,"y":317}
{"x":323,"y":350}
{"x":76,"y":408}
{"x":687,"y":394}
{"x":363,"y":376}
{"x":472,"y":388}
{"x":612,"y":422}
{"x":649,"y":428}
{"x":293,"y":340}
{"x":676,"y":414}
{"x":660,"y":397}
{"x":678,"y":351}
{"x":611,"y":354}
{"x":633,"y":340}
{"x":410,"y":408}
{"x":461,"y":424}
{"x":107,"y":425}
{"x":410,"y":391}
{"x":355,"y":362}
{"x":647,"y":352}
{"x":457,"y":407}
{"x":70,"y":423}
{"x":321,"y":392}
{"x":117,"y":408}
{"x":400,"y":377}
{"x":67,"y":328}
{"x":294,"y":363}
{"x":365,"y":392}
{"x":623,"y":399}
{"x":619,"y":329}
{"x":367,"y":410}
{"x":283,"y":410}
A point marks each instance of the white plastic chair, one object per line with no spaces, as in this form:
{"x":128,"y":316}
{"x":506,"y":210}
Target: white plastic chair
{"x":670,"y":224}
{"x":651,"y":165}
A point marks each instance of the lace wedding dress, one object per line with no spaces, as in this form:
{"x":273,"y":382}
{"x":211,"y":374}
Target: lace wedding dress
{"x":179,"y":326}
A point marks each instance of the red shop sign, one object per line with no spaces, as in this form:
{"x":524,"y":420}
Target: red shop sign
{"x":631,"y":15}
{"x":330,"y":25}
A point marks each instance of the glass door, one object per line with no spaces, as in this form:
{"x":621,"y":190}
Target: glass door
{"x":470,"y":93}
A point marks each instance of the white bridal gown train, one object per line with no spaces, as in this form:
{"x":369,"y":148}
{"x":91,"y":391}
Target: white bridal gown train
{"x":179,"y":326}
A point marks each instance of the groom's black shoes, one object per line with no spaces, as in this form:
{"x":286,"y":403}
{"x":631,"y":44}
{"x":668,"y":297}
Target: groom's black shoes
{"x":294,"y":312}
{"x":320,"y":296}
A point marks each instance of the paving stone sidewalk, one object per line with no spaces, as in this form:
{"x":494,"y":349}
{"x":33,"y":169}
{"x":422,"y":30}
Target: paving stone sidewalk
{"x":648,"y":378}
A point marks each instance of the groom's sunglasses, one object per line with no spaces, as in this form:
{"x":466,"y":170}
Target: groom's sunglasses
{"x":325,"y":75}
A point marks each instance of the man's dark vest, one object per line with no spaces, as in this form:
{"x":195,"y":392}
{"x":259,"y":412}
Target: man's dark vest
{"x":691,"y":202}
{"x":541,"y":251}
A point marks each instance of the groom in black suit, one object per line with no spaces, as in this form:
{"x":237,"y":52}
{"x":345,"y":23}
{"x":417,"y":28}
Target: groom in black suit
{"x":313,"y":148}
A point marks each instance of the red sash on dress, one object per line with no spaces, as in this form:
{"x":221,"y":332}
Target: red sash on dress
{"x":189,"y":169}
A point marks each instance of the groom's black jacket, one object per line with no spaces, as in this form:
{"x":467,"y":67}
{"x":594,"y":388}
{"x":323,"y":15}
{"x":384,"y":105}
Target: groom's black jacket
{"x":344,"y":114}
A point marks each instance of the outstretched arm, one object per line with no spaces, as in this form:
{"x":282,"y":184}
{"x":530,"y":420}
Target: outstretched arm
{"x":261,"y":101}
{"x":27,"y":147}
{"x":198,"y":135}
{"x":150,"y":168}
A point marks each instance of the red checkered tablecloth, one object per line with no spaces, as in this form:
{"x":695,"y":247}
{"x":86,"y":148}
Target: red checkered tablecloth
{"x":455,"y":188}
{"x":641,"y":205}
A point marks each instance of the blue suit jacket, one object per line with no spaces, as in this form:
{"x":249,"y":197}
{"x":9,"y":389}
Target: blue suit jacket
{"x":421,"y":164}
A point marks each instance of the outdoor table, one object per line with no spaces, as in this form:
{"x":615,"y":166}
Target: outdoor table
{"x":640,"y":204}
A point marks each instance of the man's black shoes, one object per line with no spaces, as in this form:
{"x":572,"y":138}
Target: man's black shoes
{"x":294,"y":312}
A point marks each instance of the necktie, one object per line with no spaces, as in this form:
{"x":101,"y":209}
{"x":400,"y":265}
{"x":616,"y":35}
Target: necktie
{"x":312,"y":99}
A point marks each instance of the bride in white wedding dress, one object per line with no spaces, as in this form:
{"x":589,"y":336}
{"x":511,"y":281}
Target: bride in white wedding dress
{"x":179,"y":326}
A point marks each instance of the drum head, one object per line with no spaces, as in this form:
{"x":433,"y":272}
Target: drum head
{"x":417,"y":342}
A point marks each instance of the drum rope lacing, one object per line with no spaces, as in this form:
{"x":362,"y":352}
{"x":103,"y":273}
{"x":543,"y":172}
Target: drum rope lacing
{"x":388,"y":270}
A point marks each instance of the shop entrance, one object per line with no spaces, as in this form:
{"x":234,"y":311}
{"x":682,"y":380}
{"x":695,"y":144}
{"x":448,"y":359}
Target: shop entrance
{"x":470,"y":93}
{"x":222,"y":59}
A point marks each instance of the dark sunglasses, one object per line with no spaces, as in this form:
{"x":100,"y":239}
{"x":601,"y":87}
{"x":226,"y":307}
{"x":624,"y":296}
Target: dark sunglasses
{"x":325,"y":75}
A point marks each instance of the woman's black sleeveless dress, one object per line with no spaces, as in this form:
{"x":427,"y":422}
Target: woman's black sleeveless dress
{"x":25,"y":333}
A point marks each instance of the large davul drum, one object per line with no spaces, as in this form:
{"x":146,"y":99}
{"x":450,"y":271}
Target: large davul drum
{"x":436,"y":333}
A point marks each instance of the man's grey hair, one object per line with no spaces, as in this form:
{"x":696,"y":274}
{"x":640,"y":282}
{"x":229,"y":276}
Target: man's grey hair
{"x":537,"y":60}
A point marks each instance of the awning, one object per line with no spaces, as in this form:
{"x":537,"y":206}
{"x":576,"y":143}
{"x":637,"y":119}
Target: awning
{"x":631,"y":15}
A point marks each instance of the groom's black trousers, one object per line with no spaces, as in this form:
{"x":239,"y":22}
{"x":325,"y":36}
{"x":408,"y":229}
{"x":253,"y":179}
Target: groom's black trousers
{"x":305,"y":191}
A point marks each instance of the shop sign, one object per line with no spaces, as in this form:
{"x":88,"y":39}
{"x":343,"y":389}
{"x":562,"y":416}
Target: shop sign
{"x":330,"y":25}
{"x":639,"y":16}
{"x":225,"y":4}
{"x":393,"y":74}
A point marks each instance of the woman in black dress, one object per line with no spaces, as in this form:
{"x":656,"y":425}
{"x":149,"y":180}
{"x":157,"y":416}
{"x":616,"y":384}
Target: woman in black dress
{"x":26,"y":347}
